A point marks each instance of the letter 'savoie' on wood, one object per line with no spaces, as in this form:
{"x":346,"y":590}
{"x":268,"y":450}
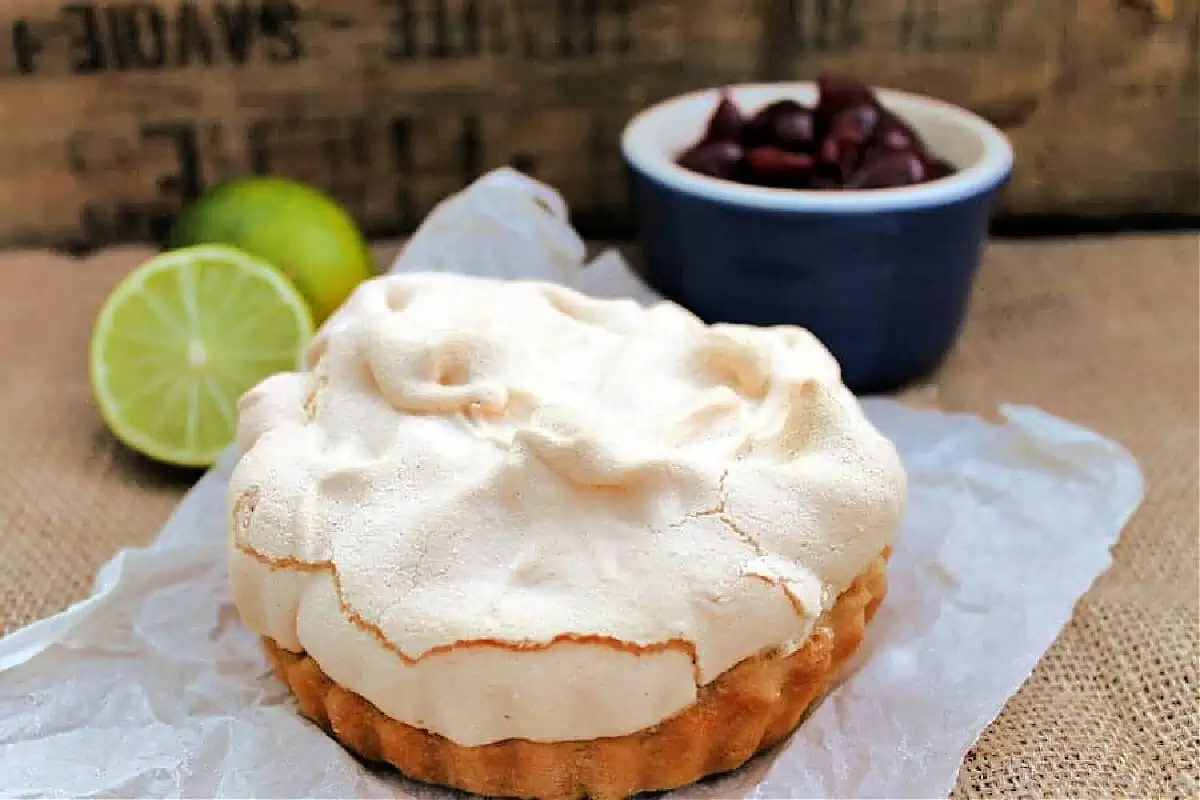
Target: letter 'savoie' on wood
{"x":389,"y":105}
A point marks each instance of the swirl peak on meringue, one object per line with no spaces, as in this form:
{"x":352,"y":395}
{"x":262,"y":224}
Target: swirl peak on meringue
{"x":507,"y":510}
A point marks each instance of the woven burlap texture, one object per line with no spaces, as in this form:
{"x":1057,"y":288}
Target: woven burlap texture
{"x":1103,"y":332}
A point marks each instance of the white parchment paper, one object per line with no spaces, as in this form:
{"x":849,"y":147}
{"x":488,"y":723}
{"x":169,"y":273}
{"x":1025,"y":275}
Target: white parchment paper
{"x":152,"y":688}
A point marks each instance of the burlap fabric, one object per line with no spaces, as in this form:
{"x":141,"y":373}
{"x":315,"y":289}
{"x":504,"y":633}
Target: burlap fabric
{"x":1103,"y":332}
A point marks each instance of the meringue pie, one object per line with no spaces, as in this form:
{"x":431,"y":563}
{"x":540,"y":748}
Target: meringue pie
{"x":522,"y":542}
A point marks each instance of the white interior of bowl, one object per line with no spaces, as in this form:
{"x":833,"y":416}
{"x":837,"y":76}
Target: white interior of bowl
{"x":981,"y":154}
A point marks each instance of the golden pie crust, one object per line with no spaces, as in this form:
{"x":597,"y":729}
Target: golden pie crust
{"x":746,"y":710}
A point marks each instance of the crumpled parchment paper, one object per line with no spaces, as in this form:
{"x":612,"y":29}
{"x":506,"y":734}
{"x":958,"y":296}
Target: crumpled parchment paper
{"x":152,"y":688}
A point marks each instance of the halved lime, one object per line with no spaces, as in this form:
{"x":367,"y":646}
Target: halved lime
{"x":182,"y":338}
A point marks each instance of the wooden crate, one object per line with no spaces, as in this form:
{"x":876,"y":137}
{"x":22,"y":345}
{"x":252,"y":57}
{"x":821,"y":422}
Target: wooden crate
{"x":116,"y":113}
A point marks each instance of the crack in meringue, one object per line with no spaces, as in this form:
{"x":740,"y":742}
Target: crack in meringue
{"x":356,"y":619}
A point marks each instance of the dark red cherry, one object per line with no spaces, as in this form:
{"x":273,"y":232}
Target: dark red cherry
{"x":785,"y":124}
{"x":725,"y":124}
{"x":889,"y":169}
{"x":837,"y":93}
{"x":938,"y":168}
{"x":854,"y":124}
{"x":776,"y":160}
{"x":892,"y":133}
{"x":719,"y":159}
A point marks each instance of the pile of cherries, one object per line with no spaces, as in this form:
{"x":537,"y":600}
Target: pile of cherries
{"x":848,"y":141}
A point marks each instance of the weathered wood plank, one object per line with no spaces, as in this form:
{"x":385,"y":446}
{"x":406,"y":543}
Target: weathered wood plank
{"x":112,"y":114}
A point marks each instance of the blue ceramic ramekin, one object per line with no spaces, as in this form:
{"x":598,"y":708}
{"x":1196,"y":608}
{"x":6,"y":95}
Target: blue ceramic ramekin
{"x":881,"y":277}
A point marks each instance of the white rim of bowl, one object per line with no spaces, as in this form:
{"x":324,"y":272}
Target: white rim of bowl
{"x":657,"y":164}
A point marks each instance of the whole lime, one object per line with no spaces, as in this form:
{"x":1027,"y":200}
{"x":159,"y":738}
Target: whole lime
{"x":294,"y":227}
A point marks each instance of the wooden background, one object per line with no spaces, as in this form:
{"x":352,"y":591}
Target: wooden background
{"x":115,"y":113}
